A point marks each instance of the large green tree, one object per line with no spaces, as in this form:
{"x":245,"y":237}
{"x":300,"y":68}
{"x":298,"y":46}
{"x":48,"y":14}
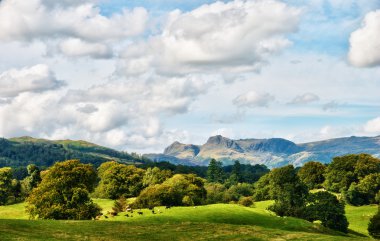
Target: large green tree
{"x":179,"y":190}
{"x":155,"y":175}
{"x":345,"y":170}
{"x":118,"y":180}
{"x":64,"y":193}
{"x":312,"y":174}
{"x":5,"y":184}
{"x":288,"y":192}
{"x":325,"y":207}
{"x":365,"y":191}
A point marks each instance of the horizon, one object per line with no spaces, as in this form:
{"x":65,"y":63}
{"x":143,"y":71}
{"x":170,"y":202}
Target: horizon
{"x":137,"y":76}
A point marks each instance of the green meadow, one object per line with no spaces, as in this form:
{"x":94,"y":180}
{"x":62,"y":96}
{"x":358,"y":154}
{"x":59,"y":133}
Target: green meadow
{"x":210,"y":222}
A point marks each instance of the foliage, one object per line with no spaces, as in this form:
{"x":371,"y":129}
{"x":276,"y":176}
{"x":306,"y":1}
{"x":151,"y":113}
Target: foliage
{"x":155,"y":176}
{"x":215,"y":171}
{"x":32,"y":180}
{"x":325,"y":207}
{"x":179,"y":190}
{"x":246,"y":201}
{"x":235,"y":192}
{"x":288,"y":192}
{"x":21,"y":152}
{"x":345,"y":170}
{"x":365,"y":191}
{"x":374,"y":225}
{"x":64,"y":193}
{"x":312,"y":174}
{"x":215,"y":193}
{"x":120,"y":205}
{"x":262,"y":188}
{"x":5,"y":184}
{"x":118,"y":180}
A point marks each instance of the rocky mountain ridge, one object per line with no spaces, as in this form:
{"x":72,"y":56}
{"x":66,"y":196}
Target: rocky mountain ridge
{"x":272,"y":152}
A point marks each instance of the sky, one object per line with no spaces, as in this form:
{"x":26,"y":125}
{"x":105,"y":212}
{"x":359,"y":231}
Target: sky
{"x":139,"y":75}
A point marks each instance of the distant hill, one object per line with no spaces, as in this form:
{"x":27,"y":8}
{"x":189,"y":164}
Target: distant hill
{"x":272,"y":152}
{"x":19,"y":152}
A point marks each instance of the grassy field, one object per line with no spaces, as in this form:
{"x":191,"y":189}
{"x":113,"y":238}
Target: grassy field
{"x":212,"y":222}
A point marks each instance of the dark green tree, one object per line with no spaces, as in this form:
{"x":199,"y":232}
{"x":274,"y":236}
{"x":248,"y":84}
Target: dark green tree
{"x":236,"y":174}
{"x":364,"y":192}
{"x":312,"y":174}
{"x":325,"y":207}
{"x":345,"y":170}
{"x":288,"y":192}
{"x":374,"y":225}
{"x":262,"y":188}
{"x":215,"y":171}
{"x":64,"y":193}
{"x":32,"y":180}
{"x":5,"y":184}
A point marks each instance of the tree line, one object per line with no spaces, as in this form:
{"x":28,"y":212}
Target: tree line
{"x":64,"y":190}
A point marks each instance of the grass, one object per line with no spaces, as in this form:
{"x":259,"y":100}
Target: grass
{"x":211,"y":222}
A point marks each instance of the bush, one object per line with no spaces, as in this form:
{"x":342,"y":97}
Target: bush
{"x":246,"y":201}
{"x":374,"y":225}
{"x":215,"y":193}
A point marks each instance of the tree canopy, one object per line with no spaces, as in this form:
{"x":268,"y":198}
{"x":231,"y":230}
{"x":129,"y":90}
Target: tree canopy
{"x":64,"y":193}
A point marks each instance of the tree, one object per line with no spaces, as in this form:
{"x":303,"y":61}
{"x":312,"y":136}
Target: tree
{"x":215,"y":171}
{"x":262,"y":188}
{"x":364,"y":192}
{"x":325,"y":207}
{"x":345,"y":170}
{"x":215,"y":192}
{"x":155,"y":176}
{"x":312,"y":174}
{"x":374,"y":225}
{"x":236,"y":192}
{"x":179,"y":190}
{"x":32,"y":180}
{"x":5,"y":184}
{"x":64,"y":193}
{"x":118,"y":180}
{"x":236,"y":174}
{"x":288,"y":192}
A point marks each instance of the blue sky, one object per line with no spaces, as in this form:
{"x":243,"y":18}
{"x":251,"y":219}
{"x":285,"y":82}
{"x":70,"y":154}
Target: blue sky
{"x":138,"y":75}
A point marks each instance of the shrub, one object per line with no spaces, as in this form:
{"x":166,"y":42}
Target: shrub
{"x":246,"y":201}
{"x":374,"y":225}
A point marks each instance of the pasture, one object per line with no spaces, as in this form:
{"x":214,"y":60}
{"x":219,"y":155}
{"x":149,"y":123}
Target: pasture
{"x":211,"y":222}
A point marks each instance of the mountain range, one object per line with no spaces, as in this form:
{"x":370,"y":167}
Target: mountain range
{"x":272,"y":152}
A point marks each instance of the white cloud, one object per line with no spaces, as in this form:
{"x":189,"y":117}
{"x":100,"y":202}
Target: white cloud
{"x":38,"y":78}
{"x":74,"y":47}
{"x":253,"y":99}
{"x":234,"y":37}
{"x":331,"y":106}
{"x":305,"y":99}
{"x":365,"y":42}
{"x":26,"y":20}
{"x":373,"y":126}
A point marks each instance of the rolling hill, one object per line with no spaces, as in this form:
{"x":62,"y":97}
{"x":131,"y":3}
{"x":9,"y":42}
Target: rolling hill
{"x":271,"y":152}
{"x":19,"y":152}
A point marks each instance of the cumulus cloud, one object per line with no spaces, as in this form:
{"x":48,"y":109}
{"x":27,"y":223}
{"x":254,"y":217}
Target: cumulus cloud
{"x":373,"y":126}
{"x":253,"y":99}
{"x":74,"y":47}
{"x":233,"y":36}
{"x":365,"y":42}
{"x":38,"y":78}
{"x":304,"y":99}
{"x":25,"y":20}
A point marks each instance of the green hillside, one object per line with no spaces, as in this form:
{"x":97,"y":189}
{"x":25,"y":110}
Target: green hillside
{"x":211,"y":222}
{"x":19,"y":152}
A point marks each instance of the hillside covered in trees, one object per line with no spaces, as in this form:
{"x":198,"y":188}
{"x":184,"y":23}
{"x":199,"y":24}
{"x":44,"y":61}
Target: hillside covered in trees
{"x":20,"y":152}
